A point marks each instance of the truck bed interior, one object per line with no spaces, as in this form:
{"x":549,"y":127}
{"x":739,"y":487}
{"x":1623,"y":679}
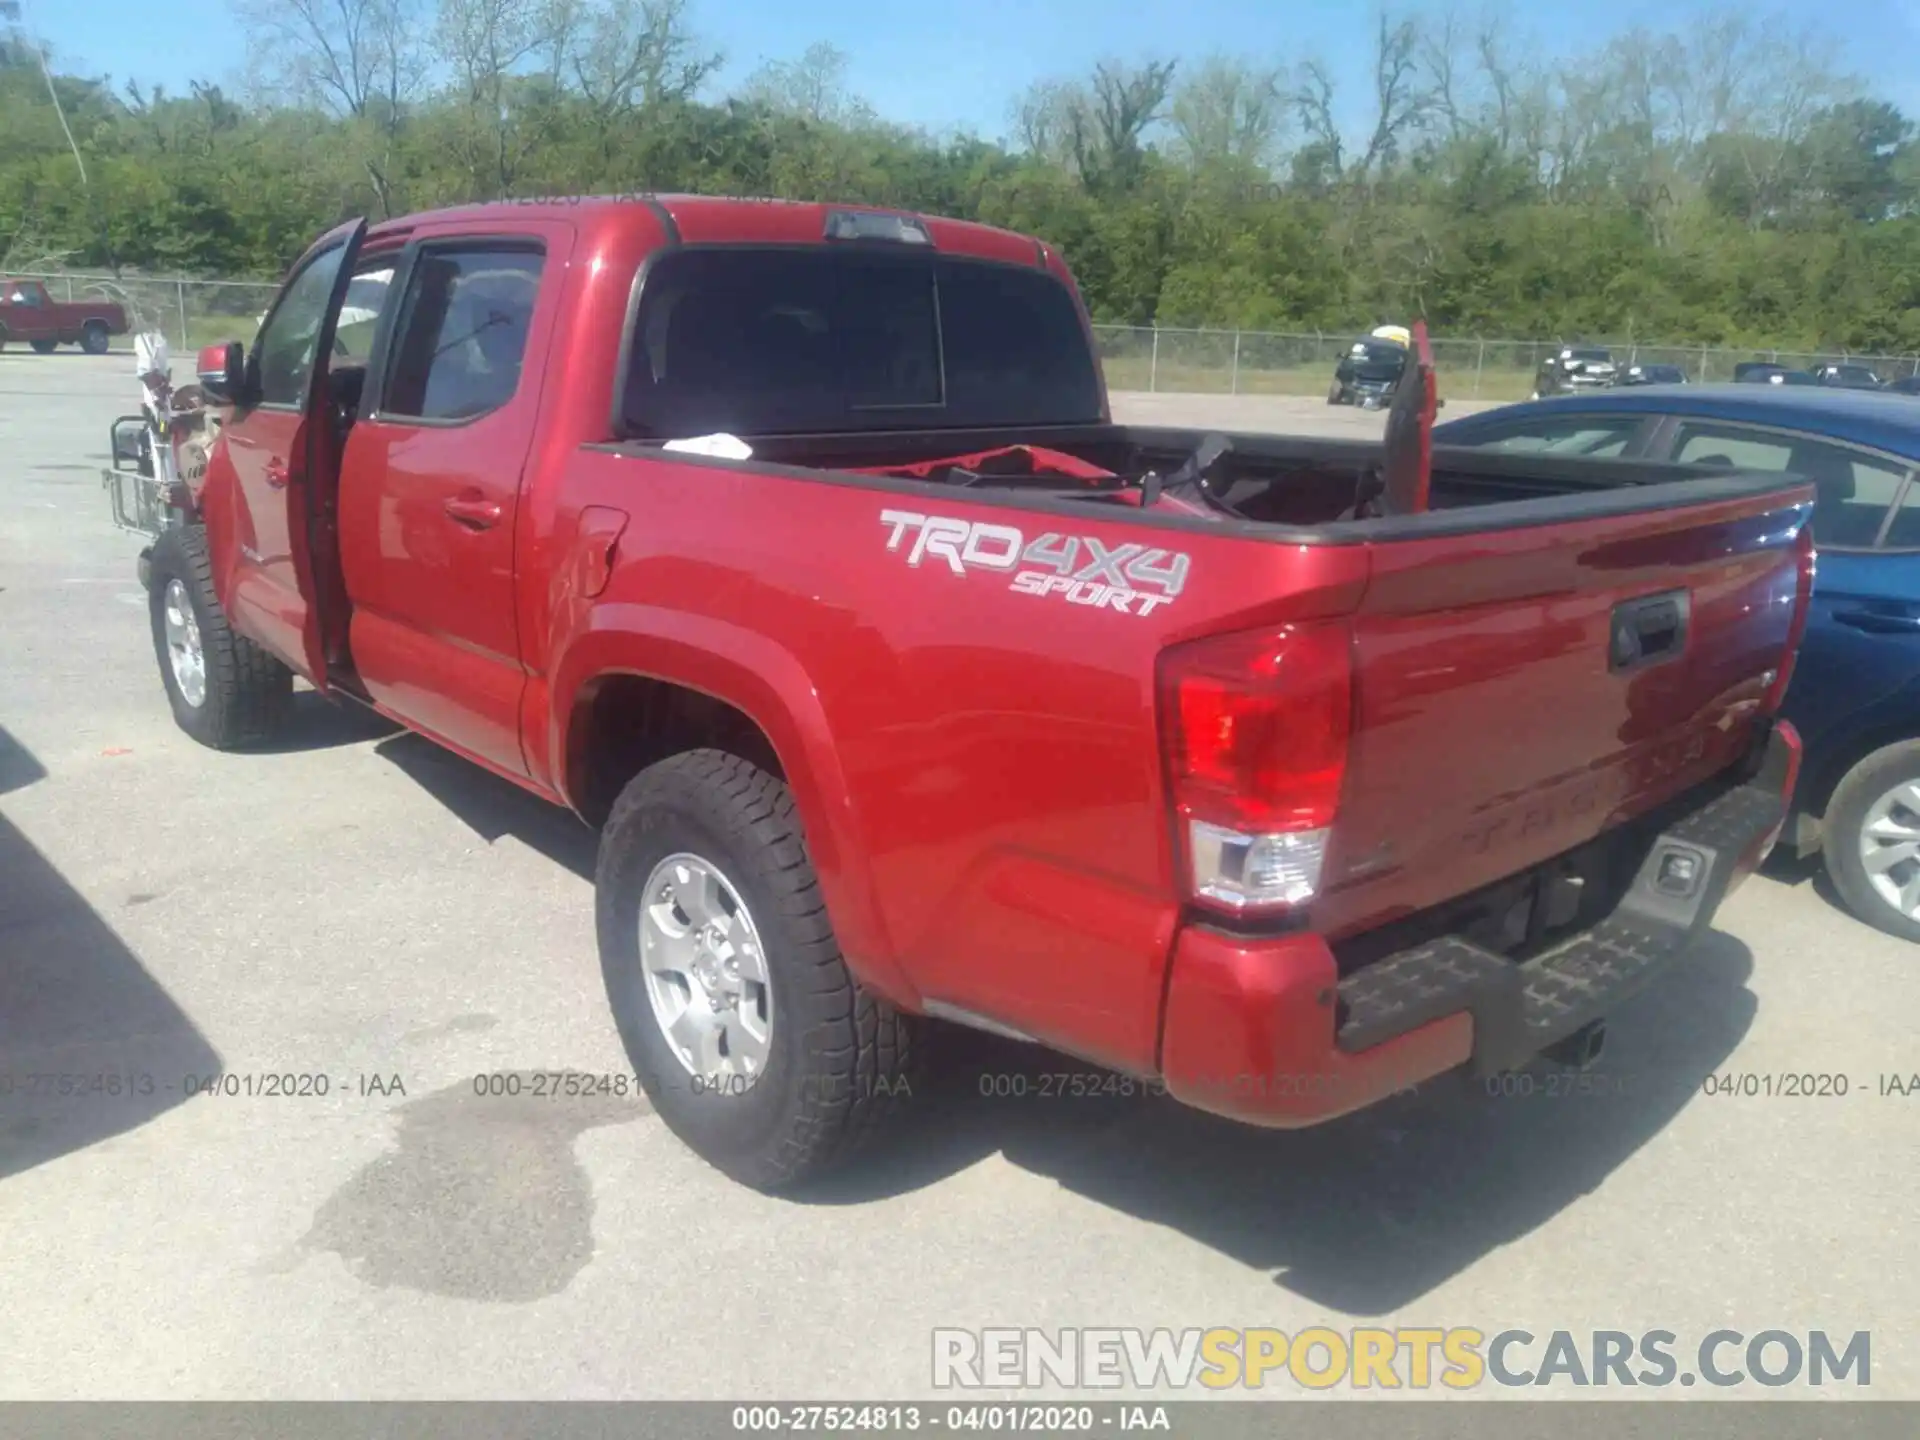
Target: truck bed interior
{"x":1298,"y":482}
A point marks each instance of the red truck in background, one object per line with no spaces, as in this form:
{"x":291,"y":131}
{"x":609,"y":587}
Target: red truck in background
{"x":795,"y":548}
{"x":28,"y":313}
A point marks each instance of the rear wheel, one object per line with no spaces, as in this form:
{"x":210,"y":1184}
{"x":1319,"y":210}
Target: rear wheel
{"x":753,"y":1040}
{"x":226,"y":692}
{"x":1872,"y":840}
{"x":93,"y":337}
{"x":43,"y":347}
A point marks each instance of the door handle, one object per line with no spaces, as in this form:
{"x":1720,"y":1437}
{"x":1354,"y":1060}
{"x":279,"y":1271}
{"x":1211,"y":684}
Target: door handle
{"x":474,"y":511}
{"x":277,"y":473}
{"x":1879,"y":622}
{"x":1647,"y":630}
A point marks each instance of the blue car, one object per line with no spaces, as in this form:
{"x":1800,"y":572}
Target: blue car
{"x":1855,"y":694}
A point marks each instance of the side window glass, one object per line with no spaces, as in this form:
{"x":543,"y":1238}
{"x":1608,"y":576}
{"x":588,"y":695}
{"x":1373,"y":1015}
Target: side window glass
{"x":286,"y":344}
{"x":360,"y":315}
{"x":1730,"y":445}
{"x":1575,"y":435}
{"x":1852,"y":491}
{"x":1904,"y":532}
{"x":463,"y":333}
{"x":1855,"y":494}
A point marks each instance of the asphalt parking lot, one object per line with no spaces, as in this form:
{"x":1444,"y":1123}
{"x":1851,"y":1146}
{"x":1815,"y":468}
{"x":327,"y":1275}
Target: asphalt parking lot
{"x":357,"y":906}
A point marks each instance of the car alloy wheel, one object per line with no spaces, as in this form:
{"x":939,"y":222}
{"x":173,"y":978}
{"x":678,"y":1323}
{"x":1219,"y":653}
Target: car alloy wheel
{"x":1889,"y":842}
{"x":706,"y":972}
{"x":184,"y":651}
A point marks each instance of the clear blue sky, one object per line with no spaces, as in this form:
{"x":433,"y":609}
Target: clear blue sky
{"x":952,"y":65}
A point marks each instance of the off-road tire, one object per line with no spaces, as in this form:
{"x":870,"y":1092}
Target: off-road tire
{"x":1334,"y":393}
{"x":248,"y":690}
{"x":1840,"y":834}
{"x":44,"y":347}
{"x":93,"y":337}
{"x":842,"y":1061}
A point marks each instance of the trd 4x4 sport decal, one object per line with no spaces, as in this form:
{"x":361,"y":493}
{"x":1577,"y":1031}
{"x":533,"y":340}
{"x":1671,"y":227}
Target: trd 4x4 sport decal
{"x":1130,"y":578}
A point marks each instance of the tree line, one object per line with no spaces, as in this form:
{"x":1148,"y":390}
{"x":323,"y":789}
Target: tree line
{"x":1725,"y":182}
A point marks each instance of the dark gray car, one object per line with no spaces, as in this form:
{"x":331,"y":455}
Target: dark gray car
{"x":1575,"y":368}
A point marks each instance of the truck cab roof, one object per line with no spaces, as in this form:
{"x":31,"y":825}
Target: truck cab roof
{"x":731,"y":220}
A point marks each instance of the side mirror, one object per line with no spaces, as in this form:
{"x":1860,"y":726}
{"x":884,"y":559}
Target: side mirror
{"x":221,"y":370}
{"x":129,"y":442}
{"x":234,"y":381}
{"x":210,"y":369}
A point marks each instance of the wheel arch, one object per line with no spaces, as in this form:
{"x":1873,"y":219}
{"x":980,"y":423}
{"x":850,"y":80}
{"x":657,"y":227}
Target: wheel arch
{"x":621,"y":722}
{"x":1887,"y":724}
{"x":625,"y":698}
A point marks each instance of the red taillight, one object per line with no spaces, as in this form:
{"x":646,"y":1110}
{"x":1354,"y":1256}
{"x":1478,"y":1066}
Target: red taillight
{"x":1802,"y":602}
{"x":1256,"y":728}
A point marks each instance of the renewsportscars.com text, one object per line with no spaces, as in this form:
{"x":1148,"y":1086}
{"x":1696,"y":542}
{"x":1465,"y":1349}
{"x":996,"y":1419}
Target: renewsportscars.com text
{"x":1371,"y":1358}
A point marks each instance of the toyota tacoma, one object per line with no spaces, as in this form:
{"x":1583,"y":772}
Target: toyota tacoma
{"x":794,"y":547}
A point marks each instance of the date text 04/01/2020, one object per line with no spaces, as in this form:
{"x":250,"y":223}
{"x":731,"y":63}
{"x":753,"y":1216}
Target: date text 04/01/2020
{"x":1040,"y":1419}
{"x":1808,"y":1085}
{"x":253,"y":1085}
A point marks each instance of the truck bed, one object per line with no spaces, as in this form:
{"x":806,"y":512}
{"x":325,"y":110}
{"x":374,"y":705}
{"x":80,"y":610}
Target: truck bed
{"x":1295,"y":482}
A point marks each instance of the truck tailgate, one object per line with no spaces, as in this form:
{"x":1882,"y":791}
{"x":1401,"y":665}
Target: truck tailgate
{"x":1520,"y":690}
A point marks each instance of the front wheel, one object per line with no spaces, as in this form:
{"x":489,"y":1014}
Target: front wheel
{"x":1872,"y":840}
{"x":93,"y":337}
{"x":755,"y":1043}
{"x":225,"y":691}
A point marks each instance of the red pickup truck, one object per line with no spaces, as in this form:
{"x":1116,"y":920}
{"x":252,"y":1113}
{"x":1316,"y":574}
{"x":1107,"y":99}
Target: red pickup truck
{"x":29,"y":313}
{"x":795,"y":548}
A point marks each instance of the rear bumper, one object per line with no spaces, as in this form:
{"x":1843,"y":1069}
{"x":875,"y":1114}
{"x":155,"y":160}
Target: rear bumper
{"x":1266,"y":1030}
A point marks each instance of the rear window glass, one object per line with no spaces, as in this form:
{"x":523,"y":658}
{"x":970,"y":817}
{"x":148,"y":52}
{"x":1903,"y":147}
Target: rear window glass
{"x":814,"y":340}
{"x":1587,"y":435}
{"x":1367,"y":352}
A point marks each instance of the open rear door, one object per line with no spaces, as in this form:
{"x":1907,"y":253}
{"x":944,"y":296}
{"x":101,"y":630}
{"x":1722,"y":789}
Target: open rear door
{"x":312,"y":498}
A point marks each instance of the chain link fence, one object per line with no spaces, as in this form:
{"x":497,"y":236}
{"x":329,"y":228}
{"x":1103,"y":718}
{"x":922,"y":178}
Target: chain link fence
{"x":1256,"y":362}
{"x":193,"y":313}
{"x":190,"y":313}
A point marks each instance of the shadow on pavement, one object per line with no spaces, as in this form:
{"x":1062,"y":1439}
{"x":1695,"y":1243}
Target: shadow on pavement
{"x":1783,"y":867}
{"x":492,"y":807}
{"x":317,"y":723}
{"x":91,"y":1046}
{"x":18,"y":767}
{"x":1363,"y":1215}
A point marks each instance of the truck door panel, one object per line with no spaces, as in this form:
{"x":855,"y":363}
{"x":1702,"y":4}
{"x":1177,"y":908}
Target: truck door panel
{"x":29,"y":312}
{"x":432,"y":485}
{"x":284,"y":466}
